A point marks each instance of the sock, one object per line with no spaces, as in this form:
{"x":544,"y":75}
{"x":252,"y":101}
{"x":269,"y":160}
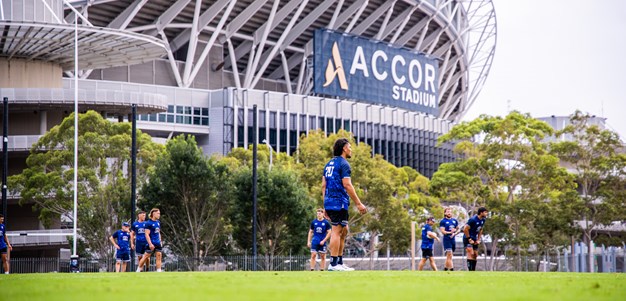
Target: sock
{"x":340,"y":261}
{"x":469,"y":265}
{"x":472,"y":265}
{"x":333,"y":260}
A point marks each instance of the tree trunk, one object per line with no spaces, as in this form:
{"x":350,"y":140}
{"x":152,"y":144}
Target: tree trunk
{"x":494,"y":252}
{"x":590,"y":255}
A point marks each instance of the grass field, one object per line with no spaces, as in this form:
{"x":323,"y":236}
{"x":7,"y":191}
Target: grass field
{"x":359,"y":285}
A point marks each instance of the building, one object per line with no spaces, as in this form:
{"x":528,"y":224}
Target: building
{"x":199,"y":67}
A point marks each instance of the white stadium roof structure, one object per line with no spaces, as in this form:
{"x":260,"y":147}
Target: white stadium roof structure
{"x":272,"y":39}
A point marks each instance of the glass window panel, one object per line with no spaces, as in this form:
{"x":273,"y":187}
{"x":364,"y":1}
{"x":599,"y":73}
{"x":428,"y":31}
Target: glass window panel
{"x":162,"y":117}
{"x":205,"y":111}
{"x":170,"y":109}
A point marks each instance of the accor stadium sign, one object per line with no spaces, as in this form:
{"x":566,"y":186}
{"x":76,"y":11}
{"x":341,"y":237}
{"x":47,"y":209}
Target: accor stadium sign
{"x":357,"y":68}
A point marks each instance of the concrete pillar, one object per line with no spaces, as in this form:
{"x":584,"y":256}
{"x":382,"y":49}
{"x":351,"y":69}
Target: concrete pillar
{"x":43,"y":122}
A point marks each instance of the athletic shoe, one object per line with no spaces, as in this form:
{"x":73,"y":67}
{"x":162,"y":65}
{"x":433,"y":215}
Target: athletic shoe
{"x":338,"y":268}
{"x":347,"y":268}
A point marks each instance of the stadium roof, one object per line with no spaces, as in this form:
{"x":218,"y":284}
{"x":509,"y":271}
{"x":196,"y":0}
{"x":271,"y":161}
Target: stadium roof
{"x":272,"y":39}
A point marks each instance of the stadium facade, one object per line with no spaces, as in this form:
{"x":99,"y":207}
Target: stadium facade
{"x":397,"y":73}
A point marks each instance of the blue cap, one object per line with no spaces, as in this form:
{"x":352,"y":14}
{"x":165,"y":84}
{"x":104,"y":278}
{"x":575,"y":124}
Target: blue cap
{"x":125,"y":224}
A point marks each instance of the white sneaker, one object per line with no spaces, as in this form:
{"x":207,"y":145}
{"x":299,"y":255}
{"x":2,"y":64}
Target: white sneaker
{"x":347,"y":268}
{"x":138,"y":270}
{"x":159,"y":271}
{"x":338,"y":268}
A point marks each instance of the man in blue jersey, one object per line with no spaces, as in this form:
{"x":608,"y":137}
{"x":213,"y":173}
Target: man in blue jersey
{"x":449,"y":228}
{"x":153,"y":237}
{"x":138,"y":240}
{"x":319,"y":233}
{"x":5,"y":246}
{"x":428,"y":240}
{"x":473,"y":232}
{"x":121,"y":240}
{"x":337,"y":190}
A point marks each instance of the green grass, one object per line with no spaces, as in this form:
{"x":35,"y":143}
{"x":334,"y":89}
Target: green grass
{"x":359,"y":285}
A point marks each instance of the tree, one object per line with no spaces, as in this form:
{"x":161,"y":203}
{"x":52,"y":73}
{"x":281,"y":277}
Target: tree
{"x":283,"y":214}
{"x":193,"y":193}
{"x":389,"y":192}
{"x":103,"y":186}
{"x":505,"y":165}
{"x":596,"y":158}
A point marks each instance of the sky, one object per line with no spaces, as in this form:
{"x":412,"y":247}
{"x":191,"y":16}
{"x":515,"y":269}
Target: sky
{"x":556,"y":56}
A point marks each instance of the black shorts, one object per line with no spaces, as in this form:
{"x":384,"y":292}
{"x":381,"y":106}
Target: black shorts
{"x":141,"y":247}
{"x":427,"y":253}
{"x":4,"y":250}
{"x":157,"y":248}
{"x":338,"y":217}
{"x":467,"y":244}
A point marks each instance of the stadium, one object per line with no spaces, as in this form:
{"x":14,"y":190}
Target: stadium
{"x":411,"y":69}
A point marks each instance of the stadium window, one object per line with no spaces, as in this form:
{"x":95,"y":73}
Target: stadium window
{"x":272,"y":120}
{"x":312,"y":123}
{"x":143,"y":117}
{"x":170,"y":118}
{"x":205,"y":120}
{"x":329,"y":126}
{"x":283,"y":141}
{"x":322,"y":124}
{"x":170,"y":109}
{"x":346,"y":125}
{"x":196,"y":111}
{"x":179,"y":109}
{"x":188,"y":110}
{"x":293,"y":118}
{"x":205,"y":111}
{"x":162,"y":117}
{"x":153,"y":117}
{"x":262,"y":133}
{"x":283,"y":121}
{"x":179,"y":119}
{"x":262,"y":118}
{"x":196,"y":120}
{"x":240,"y":136}
{"x":337,"y":124}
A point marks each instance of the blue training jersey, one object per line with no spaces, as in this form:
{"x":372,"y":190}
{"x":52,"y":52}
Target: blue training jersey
{"x":3,"y":243}
{"x":320,"y":228}
{"x":139,"y":228}
{"x":475,"y":224}
{"x":336,"y":197}
{"x":123,"y":240}
{"x":427,"y":242}
{"x":448,"y":224}
{"x":155,"y":229}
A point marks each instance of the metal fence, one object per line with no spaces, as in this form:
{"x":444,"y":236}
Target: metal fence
{"x":610,"y":261}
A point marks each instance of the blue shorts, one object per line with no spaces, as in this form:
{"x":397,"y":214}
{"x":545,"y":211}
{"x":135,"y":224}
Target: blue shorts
{"x":157,"y":248}
{"x":122,"y":256}
{"x":338,"y":217}
{"x":317,"y":248}
{"x":4,"y":250}
{"x":141,"y":247}
{"x":449,"y":244}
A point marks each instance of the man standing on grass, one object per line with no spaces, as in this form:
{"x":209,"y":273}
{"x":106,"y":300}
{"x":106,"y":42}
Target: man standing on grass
{"x":153,"y":237}
{"x":449,"y":227}
{"x":121,"y":240}
{"x":337,"y":190}
{"x":5,"y":246}
{"x":473,"y":231}
{"x":138,"y":240}
{"x":319,"y":232}
{"x":428,"y":239}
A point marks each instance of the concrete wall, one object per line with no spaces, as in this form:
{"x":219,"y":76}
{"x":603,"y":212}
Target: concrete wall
{"x":20,"y":73}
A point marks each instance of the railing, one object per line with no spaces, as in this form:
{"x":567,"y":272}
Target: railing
{"x":559,"y":263}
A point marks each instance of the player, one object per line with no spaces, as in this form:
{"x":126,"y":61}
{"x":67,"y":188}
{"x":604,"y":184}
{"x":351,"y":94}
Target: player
{"x":138,"y":240}
{"x":449,"y":228}
{"x":428,"y":239}
{"x":121,"y":240}
{"x":5,"y":246}
{"x":473,"y":231}
{"x":153,"y":237}
{"x":337,"y":190}
{"x":319,"y":232}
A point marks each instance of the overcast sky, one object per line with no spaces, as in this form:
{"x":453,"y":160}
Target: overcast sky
{"x":555,"y":56}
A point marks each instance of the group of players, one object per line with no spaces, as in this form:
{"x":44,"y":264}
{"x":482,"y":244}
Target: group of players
{"x":337,"y":190}
{"x":144,"y":237}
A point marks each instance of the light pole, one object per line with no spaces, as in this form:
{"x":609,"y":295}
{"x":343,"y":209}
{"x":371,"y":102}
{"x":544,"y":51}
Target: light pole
{"x":271,"y":151}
